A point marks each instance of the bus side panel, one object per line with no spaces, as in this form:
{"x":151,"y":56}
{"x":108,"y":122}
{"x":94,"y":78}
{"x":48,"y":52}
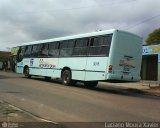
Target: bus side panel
{"x":19,"y":68}
{"x":76,"y":65}
{"x":93,"y":76}
{"x":44,"y":67}
{"x":20,"y":65}
{"x":78,"y":75}
{"x":96,"y":68}
{"x":37,"y":72}
{"x":53,"y":70}
{"x":35,"y":68}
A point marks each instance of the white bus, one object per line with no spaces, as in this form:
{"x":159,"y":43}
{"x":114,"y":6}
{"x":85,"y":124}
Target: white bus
{"x":88,"y":58}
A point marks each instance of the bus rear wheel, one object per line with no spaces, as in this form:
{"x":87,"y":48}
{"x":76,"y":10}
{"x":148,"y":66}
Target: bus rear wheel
{"x":26,"y":73}
{"x":66,"y":78}
{"x":91,"y":84}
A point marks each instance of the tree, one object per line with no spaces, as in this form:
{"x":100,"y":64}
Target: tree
{"x":153,"y":37}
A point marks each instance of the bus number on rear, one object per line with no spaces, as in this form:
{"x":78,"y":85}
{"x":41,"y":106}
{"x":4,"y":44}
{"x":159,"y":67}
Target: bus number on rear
{"x":95,"y":63}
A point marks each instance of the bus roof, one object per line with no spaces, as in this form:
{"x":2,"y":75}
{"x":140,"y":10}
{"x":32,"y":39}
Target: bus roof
{"x":75,"y":36}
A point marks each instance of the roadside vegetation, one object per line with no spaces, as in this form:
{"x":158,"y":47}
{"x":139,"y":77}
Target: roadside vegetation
{"x":153,"y":37}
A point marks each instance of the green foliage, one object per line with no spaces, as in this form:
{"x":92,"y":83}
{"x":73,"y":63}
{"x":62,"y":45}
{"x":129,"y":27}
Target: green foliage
{"x":2,"y":59}
{"x":153,"y":37}
{"x":4,"y":56}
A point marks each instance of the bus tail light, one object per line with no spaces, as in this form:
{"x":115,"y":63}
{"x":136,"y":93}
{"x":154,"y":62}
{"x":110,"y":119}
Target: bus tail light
{"x":110,"y":68}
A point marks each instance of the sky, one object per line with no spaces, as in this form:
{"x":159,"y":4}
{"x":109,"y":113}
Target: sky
{"x":24,"y":21}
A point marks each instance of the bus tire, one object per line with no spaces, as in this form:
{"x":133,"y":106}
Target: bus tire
{"x":90,"y":84}
{"x":26,"y":72}
{"x":67,"y":78}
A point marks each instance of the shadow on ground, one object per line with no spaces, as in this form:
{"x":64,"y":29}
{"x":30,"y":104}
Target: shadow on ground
{"x":7,"y":77}
{"x":107,"y":89}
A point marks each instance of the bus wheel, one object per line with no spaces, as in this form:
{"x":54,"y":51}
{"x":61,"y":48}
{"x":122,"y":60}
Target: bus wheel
{"x":90,"y":84}
{"x":26,"y":73}
{"x":66,"y":78}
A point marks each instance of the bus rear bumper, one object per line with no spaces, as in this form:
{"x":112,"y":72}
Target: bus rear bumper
{"x":123,"y":77}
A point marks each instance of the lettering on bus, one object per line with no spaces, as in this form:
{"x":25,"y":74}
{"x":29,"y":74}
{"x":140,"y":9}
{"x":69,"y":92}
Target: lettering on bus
{"x":127,"y":63}
{"x":45,"y":64}
{"x":95,"y":63}
{"x":31,"y":62}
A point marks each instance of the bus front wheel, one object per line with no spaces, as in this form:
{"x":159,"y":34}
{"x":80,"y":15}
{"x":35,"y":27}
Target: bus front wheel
{"x":26,"y":73}
{"x":66,"y":78}
{"x":91,"y":84}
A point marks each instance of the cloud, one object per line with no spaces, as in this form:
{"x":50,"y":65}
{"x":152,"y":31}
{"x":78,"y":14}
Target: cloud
{"x":27,"y":20}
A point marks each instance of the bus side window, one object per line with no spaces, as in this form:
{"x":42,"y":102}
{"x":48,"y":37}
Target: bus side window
{"x":106,"y":42}
{"x":107,"y":39}
{"x":94,"y":47}
{"x":28,"y":51}
{"x":66,"y":48}
{"x":44,"y":50}
{"x":96,"y":41}
{"x":81,"y":48}
{"x":100,"y":45}
{"x":53,"y":50}
{"x":35,"y":50}
{"x":20,"y":54}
